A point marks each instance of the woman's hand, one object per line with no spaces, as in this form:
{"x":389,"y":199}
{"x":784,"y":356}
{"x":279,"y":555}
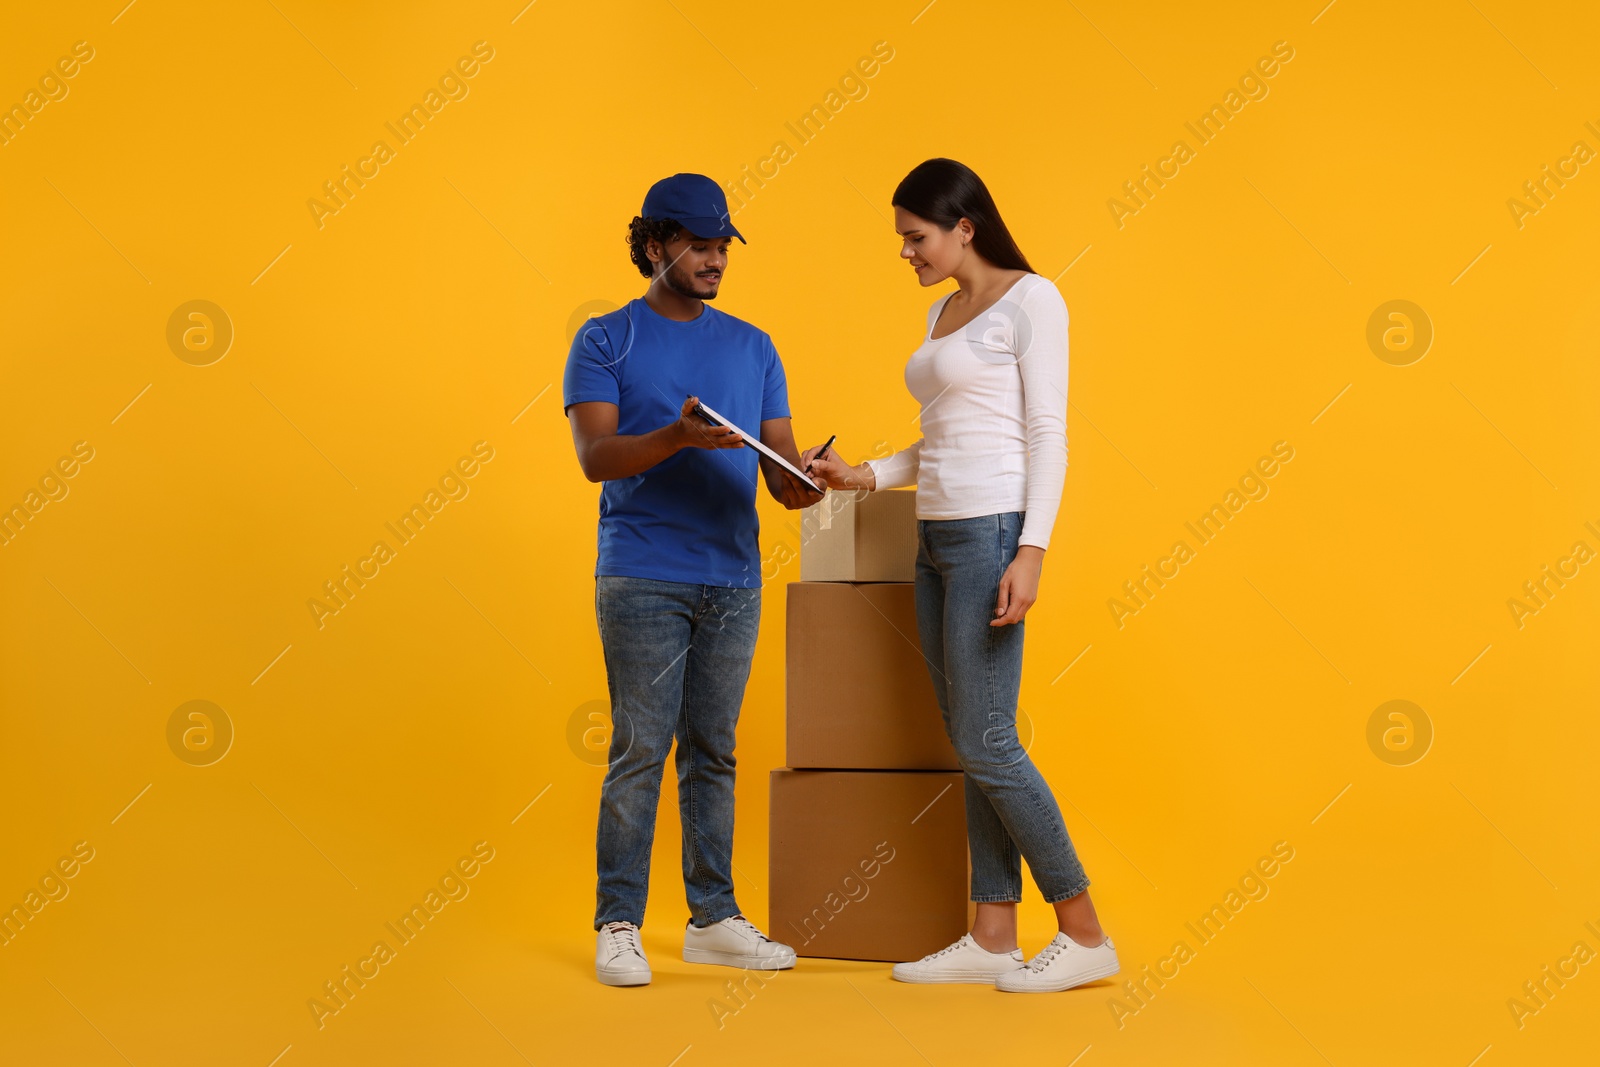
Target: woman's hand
{"x":1019,"y":586}
{"x":835,"y":472}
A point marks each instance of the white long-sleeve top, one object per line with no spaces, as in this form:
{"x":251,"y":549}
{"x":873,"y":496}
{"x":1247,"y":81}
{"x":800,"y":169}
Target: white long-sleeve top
{"x":994,"y":413}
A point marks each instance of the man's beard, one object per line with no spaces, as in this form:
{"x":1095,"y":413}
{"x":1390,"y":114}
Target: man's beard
{"x":683,"y":282}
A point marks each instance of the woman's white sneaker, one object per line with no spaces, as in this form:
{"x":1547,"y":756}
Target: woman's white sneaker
{"x":964,"y":961}
{"x":735,"y":942}
{"x":1062,"y":964}
{"x":618,"y":956}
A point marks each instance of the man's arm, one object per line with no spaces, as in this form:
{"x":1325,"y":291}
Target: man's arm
{"x":778,"y":435}
{"x":605,"y":455}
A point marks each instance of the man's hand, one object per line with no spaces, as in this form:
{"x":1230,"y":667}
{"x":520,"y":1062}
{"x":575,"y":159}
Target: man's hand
{"x":695,"y":432}
{"x":786,"y":489}
{"x":606,"y":455}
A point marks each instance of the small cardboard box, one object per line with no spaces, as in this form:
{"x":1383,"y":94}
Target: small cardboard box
{"x":860,"y":536}
{"x":868,"y":865}
{"x":858,"y":693}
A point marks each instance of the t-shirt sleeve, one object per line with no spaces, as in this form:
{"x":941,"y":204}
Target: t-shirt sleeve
{"x":1042,"y":362}
{"x":591,"y":372}
{"x":775,"y":387}
{"x":899,"y":470}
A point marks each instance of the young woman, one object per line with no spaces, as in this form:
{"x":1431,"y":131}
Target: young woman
{"x":991,"y":375}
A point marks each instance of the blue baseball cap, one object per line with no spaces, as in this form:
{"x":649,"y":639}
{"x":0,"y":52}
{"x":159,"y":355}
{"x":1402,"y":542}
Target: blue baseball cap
{"x":694,"y":201}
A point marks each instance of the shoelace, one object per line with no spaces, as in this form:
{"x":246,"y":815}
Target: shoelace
{"x":1046,"y":954}
{"x":949,"y":948}
{"x":745,"y":924}
{"x":623,"y":937}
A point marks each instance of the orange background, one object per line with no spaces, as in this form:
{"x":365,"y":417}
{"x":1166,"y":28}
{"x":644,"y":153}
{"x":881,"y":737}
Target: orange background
{"x":436,"y":709}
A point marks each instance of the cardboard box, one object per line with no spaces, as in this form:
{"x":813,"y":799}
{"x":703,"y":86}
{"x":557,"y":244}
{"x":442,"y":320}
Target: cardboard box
{"x":860,"y":536}
{"x":868,"y":865}
{"x":858,"y":690}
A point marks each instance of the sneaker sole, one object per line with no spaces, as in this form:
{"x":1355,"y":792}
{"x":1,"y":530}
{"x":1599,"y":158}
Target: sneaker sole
{"x":1105,"y":971}
{"x":977,"y":977}
{"x":729,"y":959}
{"x":623,"y":979}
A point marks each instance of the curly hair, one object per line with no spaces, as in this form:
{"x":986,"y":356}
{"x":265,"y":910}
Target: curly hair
{"x":640,"y":231}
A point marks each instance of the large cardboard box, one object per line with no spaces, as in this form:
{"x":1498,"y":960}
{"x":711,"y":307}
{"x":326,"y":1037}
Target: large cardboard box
{"x":860,"y":536}
{"x":868,"y":865}
{"x":858,"y":690}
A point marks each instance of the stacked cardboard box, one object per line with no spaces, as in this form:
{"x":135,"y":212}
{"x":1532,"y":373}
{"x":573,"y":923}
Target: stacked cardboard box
{"x":868,"y":855}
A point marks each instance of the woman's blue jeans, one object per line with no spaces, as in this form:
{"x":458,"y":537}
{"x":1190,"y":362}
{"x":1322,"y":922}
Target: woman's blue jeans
{"x":977,"y":674}
{"x":677,"y":658}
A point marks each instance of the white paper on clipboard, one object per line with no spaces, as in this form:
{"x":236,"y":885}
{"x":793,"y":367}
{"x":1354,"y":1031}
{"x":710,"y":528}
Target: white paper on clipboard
{"x":763,"y":449}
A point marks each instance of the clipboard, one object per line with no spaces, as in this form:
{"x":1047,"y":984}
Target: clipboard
{"x":706,"y":412}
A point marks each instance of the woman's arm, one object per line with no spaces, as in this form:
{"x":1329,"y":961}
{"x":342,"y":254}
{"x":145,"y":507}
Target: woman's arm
{"x":897,"y":470}
{"x":1043,"y":368}
{"x":891,"y":472}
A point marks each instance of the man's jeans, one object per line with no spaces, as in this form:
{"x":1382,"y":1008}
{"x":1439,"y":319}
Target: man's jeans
{"x":977,"y":673}
{"x":677,"y":659}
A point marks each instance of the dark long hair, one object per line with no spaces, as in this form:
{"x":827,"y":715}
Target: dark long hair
{"x":945,"y":192}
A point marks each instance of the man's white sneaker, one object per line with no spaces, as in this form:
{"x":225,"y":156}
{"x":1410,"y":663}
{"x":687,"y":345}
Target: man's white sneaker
{"x":735,"y":942}
{"x":1061,"y":964}
{"x":964,"y":961}
{"x":618,"y":956}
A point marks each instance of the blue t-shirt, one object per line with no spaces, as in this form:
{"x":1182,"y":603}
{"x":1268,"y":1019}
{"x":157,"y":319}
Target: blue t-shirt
{"x":691,"y":517}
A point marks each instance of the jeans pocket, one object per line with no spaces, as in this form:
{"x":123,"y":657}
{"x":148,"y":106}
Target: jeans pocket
{"x":1010,"y":535}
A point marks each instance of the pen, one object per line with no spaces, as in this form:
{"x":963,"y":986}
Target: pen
{"x":821,"y":450}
